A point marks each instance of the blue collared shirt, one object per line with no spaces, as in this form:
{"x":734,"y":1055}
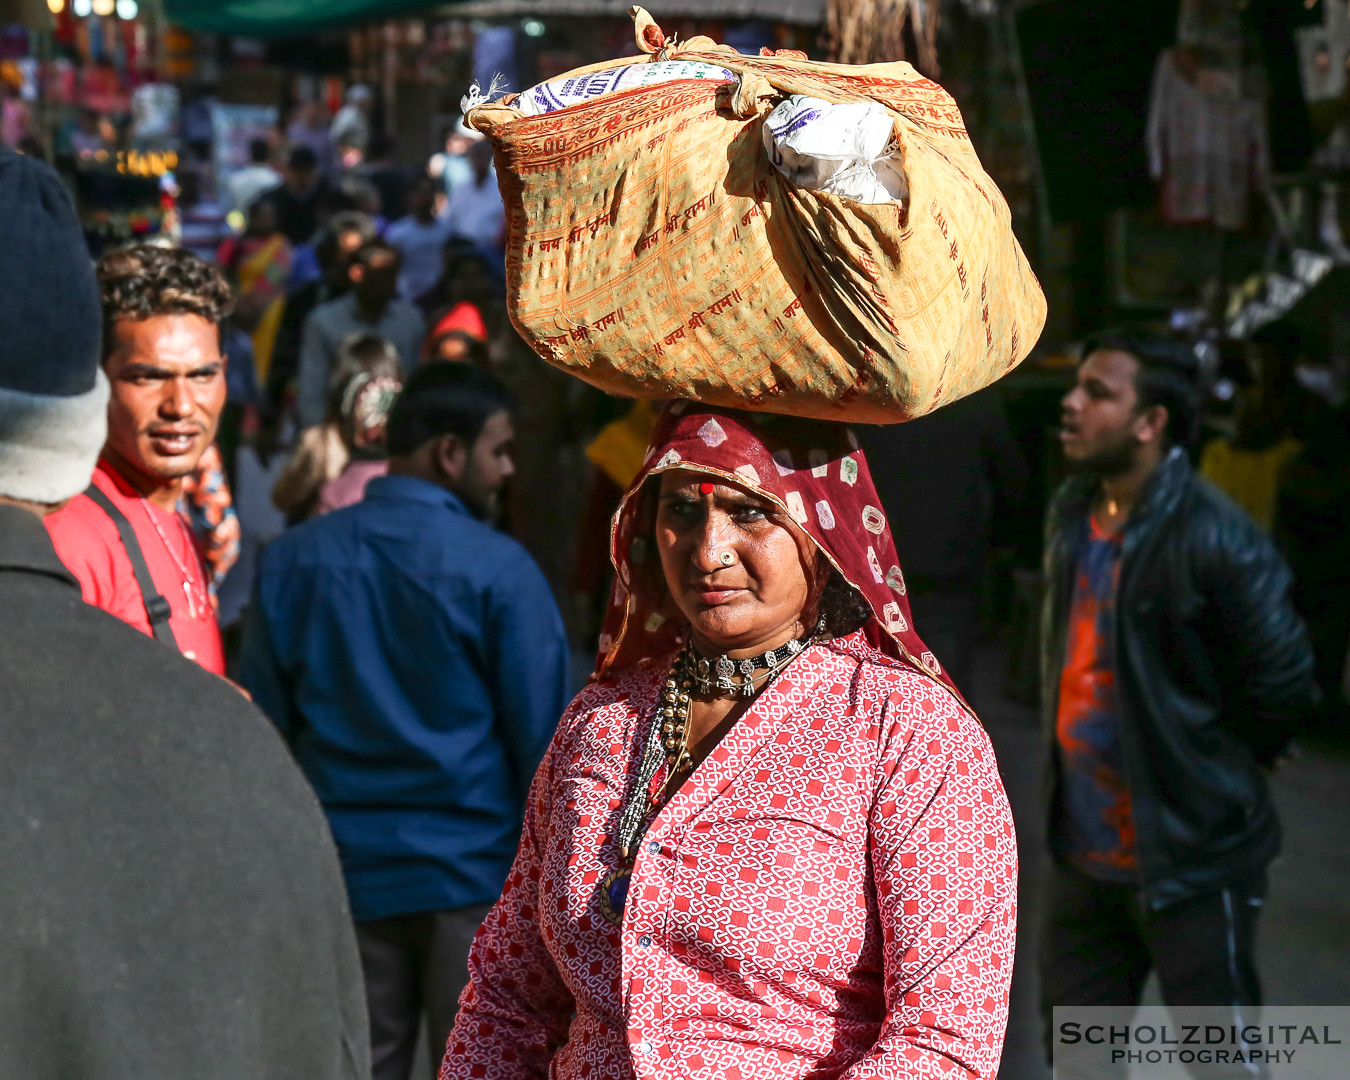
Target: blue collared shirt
{"x":414,"y":658}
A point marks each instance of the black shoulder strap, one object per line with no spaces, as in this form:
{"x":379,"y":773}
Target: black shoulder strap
{"x":157,"y":609}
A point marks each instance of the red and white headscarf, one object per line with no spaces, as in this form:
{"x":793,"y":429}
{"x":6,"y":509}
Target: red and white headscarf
{"x":816,"y":474}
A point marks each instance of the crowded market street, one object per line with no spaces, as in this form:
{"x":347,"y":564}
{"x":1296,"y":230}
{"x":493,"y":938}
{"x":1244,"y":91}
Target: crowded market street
{"x":758,"y":540}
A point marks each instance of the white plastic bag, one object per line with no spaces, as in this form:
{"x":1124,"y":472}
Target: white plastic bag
{"x":846,"y":150}
{"x":558,"y":94}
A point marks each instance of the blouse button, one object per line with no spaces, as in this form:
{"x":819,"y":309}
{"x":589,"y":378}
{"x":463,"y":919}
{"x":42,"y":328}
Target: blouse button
{"x":654,"y":847}
{"x":645,"y":941}
{"x":646,"y":1047}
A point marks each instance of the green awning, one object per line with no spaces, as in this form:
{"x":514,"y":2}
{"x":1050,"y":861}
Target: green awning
{"x":30,"y":13}
{"x":285,"y":18}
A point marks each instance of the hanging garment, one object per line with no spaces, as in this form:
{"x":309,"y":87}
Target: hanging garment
{"x":1208,"y":144}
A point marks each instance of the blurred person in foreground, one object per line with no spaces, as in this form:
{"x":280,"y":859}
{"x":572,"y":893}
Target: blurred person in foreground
{"x":334,"y":460}
{"x":1174,"y":672}
{"x":371,"y":305}
{"x":126,"y":540}
{"x":171,"y":903}
{"x":768,"y":839}
{"x":415,"y":661}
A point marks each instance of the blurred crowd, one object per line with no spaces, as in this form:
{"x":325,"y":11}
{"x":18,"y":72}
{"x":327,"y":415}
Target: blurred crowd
{"x":346,"y":269}
{"x":333,"y":239}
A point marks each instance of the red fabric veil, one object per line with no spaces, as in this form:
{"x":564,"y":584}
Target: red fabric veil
{"x":815,"y":472}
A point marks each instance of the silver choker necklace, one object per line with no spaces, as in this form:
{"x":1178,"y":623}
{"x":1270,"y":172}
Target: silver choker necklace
{"x":713,"y":676}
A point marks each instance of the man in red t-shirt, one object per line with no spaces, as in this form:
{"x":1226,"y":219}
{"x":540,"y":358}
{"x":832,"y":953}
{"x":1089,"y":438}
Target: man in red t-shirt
{"x":161,"y":352}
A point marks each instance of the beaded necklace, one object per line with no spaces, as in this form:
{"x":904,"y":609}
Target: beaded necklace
{"x":668,"y":743}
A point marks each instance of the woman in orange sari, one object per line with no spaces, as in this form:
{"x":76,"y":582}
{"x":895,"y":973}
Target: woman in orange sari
{"x":257,"y":264}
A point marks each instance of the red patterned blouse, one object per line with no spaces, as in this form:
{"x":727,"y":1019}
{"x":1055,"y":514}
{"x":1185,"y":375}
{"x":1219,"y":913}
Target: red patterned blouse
{"x":832,"y":894}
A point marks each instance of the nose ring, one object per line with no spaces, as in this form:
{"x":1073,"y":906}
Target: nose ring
{"x":726,"y":558}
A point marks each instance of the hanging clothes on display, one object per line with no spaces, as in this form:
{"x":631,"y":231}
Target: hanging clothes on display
{"x":1208,"y":140}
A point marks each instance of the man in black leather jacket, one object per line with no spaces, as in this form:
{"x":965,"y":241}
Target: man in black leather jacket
{"x":1174,"y":671}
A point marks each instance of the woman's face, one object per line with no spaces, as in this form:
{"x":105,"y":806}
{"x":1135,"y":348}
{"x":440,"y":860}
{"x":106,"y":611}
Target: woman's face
{"x":262,"y":219}
{"x":453,"y":348}
{"x":734,"y":567}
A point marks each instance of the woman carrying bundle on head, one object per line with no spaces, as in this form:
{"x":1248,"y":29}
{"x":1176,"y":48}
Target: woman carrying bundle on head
{"x":769,"y":839}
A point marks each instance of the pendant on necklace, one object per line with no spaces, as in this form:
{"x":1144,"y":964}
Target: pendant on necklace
{"x":725,"y":670}
{"x":613,"y":893}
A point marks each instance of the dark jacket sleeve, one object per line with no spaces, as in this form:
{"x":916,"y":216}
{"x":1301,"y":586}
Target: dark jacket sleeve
{"x":1269,"y":654}
{"x":1052,"y":627}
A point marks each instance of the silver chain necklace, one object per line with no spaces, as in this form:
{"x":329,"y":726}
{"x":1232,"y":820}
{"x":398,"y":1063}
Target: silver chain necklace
{"x":668,"y":743}
{"x":189,"y":579}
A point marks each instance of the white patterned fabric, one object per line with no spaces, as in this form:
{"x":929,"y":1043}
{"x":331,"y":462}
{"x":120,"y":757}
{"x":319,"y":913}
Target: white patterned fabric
{"x":831,"y":894}
{"x":1208,"y":145}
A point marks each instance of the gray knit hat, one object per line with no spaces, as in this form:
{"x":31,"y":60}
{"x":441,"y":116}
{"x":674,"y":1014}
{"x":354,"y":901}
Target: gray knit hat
{"x":53,"y":393}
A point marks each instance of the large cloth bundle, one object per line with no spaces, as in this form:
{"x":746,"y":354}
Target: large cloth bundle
{"x":655,"y":251}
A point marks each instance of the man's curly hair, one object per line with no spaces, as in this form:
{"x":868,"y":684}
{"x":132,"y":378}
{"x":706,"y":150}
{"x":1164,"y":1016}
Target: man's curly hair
{"x":144,"y":280}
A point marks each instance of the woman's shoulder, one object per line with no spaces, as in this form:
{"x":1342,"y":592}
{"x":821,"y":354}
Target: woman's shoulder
{"x":908,"y":701}
{"x":881,"y":671}
{"x":635,"y":682}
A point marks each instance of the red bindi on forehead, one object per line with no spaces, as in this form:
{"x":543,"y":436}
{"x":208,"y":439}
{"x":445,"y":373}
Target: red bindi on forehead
{"x":705,"y":488}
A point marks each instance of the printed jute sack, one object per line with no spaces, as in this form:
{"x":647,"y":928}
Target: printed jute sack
{"x":654,"y":250}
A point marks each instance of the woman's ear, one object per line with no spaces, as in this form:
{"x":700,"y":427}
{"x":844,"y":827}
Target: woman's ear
{"x":818,"y":580}
{"x":821,"y":578}
{"x":644,"y":558}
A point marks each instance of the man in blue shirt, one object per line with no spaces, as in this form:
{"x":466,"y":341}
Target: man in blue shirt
{"x":414,"y":658}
